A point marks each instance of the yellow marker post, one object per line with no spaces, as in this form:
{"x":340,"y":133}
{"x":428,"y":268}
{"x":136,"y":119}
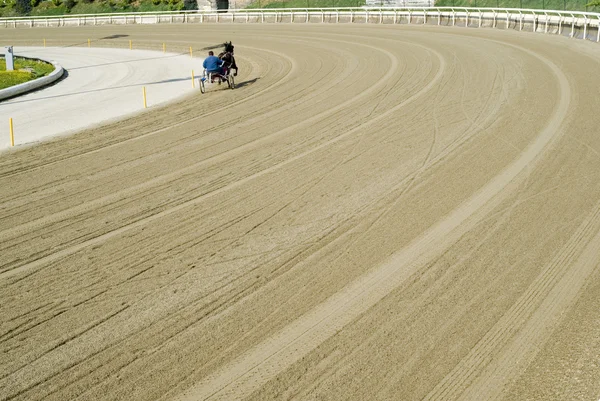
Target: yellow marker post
{"x":12,"y":134}
{"x":130,"y":45}
{"x":193,"y":82}
{"x":191,"y":51}
{"x":89,"y":43}
{"x":144,"y":92}
{"x":164,"y":48}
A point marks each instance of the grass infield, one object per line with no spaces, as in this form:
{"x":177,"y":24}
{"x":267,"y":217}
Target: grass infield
{"x":25,"y":70}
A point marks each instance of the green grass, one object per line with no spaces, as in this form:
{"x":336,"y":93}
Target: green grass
{"x":572,"y":5}
{"x":10,"y":78}
{"x":306,"y":3}
{"x":47,"y":8}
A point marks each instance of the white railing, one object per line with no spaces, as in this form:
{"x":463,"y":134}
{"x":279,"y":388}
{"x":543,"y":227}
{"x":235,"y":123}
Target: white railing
{"x":400,"y":3}
{"x":578,"y":24}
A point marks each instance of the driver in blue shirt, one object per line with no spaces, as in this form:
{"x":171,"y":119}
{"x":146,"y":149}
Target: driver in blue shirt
{"x":212,"y":63}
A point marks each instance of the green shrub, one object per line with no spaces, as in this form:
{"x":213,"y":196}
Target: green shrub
{"x":8,"y":4}
{"x":48,"y":8}
{"x":23,"y":7}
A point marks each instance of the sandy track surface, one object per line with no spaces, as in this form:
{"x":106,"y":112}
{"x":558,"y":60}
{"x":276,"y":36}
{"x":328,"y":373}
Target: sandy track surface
{"x":375,"y":212}
{"x":105,"y":83}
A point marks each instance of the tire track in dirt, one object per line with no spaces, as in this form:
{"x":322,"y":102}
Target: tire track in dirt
{"x":220,"y":109}
{"x":148,"y":354}
{"x":260,"y":364}
{"x":337,"y":139}
{"x":558,"y":288}
{"x":16,"y":231}
{"x":453,"y":385}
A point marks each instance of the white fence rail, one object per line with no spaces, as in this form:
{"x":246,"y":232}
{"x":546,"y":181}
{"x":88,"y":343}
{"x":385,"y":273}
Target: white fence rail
{"x":576,"y":24}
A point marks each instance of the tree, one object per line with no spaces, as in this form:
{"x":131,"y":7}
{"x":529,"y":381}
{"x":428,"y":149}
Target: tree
{"x":69,"y":4}
{"x":593,"y":3}
{"x":193,"y":4}
{"x":23,"y":7}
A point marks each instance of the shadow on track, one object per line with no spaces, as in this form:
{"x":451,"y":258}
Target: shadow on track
{"x":246,"y":83}
{"x":102,"y":90}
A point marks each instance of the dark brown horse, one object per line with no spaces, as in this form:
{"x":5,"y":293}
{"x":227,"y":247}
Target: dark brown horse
{"x":227,"y":57}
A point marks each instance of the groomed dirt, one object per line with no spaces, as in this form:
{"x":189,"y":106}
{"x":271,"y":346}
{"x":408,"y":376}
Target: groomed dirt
{"x":374,"y":213}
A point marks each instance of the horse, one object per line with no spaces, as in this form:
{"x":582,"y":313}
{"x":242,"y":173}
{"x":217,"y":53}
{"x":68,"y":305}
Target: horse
{"x":228,"y":59}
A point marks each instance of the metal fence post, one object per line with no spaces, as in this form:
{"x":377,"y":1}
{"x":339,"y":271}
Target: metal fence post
{"x":560,"y":20}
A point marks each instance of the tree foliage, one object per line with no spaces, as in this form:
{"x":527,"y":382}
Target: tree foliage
{"x":23,"y":7}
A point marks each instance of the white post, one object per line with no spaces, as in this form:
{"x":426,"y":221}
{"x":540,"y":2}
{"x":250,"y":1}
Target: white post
{"x":507,"y":19}
{"x":560,"y":18}
{"x":520,"y":21}
{"x":439,"y":17}
{"x":534,"y":21}
{"x":585,"y":27}
{"x":572,"y":25}
{"x":598,"y":37}
{"x":8,"y":55}
{"x":453,"y":18}
{"x":424,"y":17}
{"x":467,"y":24}
{"x":480,"y":16}
{"x":546,"y":28}
{"x":396,"y":16}
{"x":337,"y":17}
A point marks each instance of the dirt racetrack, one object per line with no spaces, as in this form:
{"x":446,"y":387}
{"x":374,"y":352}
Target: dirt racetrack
{"x":375,"y":213}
